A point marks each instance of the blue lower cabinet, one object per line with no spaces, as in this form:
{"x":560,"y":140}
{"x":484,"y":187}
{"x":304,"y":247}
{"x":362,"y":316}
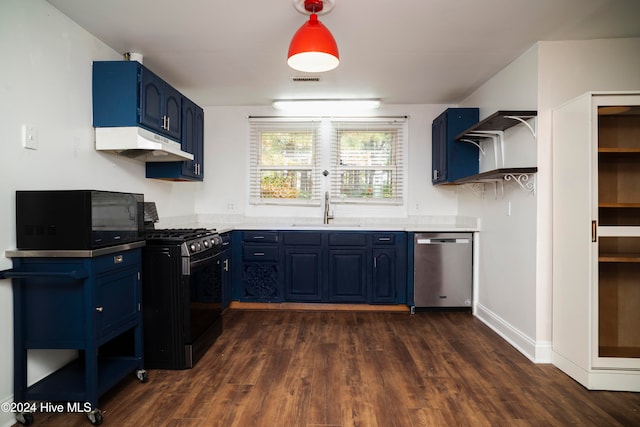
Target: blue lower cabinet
{"x":86,"y":304}
{"x":321,"y":266}
{"x":260,"y":274}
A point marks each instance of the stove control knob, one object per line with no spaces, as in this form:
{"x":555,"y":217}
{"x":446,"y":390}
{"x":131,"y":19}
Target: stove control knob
{"x":192,"y":247}
{"x":205,"y":243}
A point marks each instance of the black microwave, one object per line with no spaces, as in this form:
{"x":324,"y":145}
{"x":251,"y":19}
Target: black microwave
{"x":77,"y":219}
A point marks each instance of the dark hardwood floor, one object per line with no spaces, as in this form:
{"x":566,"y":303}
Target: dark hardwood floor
{"x":312,"y":369}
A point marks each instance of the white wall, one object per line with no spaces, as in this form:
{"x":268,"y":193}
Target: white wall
{"x":515,"y":260}
{"x":45,"y":81}
{"x":506,"y":297}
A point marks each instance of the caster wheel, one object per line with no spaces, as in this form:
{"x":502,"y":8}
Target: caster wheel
{"x":95,"y":417}
{"x":142,"y":375}
{"x":25,"y":419}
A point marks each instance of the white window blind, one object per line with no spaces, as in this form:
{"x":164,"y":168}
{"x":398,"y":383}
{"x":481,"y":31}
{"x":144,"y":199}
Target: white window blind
{"x":368,"y":161}
{"x":284,"y":161}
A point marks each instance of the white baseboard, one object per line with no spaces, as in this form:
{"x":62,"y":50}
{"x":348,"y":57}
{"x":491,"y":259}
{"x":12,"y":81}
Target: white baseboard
{"x":537,"y":352}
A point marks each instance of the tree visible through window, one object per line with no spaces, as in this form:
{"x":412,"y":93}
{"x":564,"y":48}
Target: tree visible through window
{"x":286,"y":165}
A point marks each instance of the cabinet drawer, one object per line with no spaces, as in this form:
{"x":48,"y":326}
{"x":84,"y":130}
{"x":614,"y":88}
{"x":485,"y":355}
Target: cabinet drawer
{"x":118,"y":260}
{"x":226,"y":240}
{"x":347,"y":239}
{"x":260,"y":236}
{"x":384,"y":239}
{"x":260,"y":253}
{"x":311,"y":238}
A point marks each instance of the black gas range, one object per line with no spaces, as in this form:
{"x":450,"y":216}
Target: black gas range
{"x":181,"y":296}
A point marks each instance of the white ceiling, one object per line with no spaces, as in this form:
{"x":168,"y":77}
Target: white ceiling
{"x":402,"y":51}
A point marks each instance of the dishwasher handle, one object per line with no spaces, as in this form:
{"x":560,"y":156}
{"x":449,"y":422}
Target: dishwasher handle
{"x":439,"y":241}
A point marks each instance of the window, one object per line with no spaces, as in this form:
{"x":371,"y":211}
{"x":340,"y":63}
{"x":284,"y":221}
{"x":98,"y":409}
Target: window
{"x":364,"y":157}
{"x":284,"y":162}
{"x":367,"y":162}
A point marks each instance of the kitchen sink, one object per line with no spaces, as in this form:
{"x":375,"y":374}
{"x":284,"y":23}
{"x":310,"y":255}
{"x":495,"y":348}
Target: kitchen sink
{"x":326,"y":225}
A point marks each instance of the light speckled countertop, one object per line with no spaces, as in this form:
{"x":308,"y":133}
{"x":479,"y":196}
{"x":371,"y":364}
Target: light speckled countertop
{"x":441,"y":224}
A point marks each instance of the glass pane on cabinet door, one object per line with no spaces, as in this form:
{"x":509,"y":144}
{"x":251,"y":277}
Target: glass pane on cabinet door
{"x":619,"y":165}
{"x":619,"y":297}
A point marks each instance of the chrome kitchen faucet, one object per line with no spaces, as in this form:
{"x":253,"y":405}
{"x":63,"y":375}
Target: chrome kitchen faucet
{"x":327,"y":216}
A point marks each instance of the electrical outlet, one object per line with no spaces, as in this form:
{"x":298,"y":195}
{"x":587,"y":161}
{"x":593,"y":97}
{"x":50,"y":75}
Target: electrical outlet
{"x":29,"y":137}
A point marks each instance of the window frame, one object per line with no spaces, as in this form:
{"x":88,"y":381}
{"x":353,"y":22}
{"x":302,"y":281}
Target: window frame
{"x":326,"y":130}
{"x":397,"y":168}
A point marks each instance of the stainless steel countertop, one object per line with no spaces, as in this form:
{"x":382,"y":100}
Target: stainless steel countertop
{"x":67,"y":253}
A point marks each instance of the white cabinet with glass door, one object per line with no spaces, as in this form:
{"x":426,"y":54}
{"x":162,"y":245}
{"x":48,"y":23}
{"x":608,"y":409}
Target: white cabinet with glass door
{"x":596,"y":240}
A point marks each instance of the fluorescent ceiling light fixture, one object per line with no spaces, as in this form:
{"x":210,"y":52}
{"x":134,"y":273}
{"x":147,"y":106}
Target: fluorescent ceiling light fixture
{"x":329,"y":106}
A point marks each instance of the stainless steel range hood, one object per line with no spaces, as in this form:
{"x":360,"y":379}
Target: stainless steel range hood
{"x":140,"y":144}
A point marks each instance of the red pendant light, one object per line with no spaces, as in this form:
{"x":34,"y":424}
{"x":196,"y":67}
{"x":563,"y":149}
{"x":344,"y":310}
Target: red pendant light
{"x":313,"y":49}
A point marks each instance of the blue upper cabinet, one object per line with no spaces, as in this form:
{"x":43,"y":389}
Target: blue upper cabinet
{"x":127,"y":94}
{"x":192,"y":142}
{"x":453,"y":159}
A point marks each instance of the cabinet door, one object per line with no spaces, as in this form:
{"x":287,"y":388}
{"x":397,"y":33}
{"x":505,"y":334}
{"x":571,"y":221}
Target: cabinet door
{"x":226,"y":278}
{"x":172,"y":110}
{"x":347,"y":279}
{"x":617,"y":241}
{"x":383,"y":279}
{"x":188,"y":136}
{"x":192,"y":138}
{"x":151,"y":102}
{"x":198,"y":142}
{"x":439,"y":149}
{"x":260,"y":282}
{"x":451,"y":159}
{"x":117,"y":299}
{"x":303,"y":274}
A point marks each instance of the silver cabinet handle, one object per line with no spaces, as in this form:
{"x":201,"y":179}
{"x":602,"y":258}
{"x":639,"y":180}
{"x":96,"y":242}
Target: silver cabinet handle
{"x":99,"y":309}
{"x":258,"y":254}
{"x":118,"y":259}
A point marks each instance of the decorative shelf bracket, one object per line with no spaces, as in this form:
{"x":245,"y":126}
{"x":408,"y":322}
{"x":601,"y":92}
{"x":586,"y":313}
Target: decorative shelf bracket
{"x":523,"y":120}
{"x":477,"y":144}
{"x":497,"y":136}
{"x":476,"y":188}
{"x":526,"y":181}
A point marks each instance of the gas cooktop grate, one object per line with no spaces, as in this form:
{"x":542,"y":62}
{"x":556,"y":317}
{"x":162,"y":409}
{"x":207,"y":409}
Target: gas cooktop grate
{"x":178,"y":234}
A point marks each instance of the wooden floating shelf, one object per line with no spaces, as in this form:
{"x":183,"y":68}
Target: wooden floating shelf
{"x":498,"y":121}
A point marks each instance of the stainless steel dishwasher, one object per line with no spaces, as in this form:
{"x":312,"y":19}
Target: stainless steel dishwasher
{"x":443,"y":269}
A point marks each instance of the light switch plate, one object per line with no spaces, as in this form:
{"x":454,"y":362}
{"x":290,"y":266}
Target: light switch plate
{"x":29,"y":137}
